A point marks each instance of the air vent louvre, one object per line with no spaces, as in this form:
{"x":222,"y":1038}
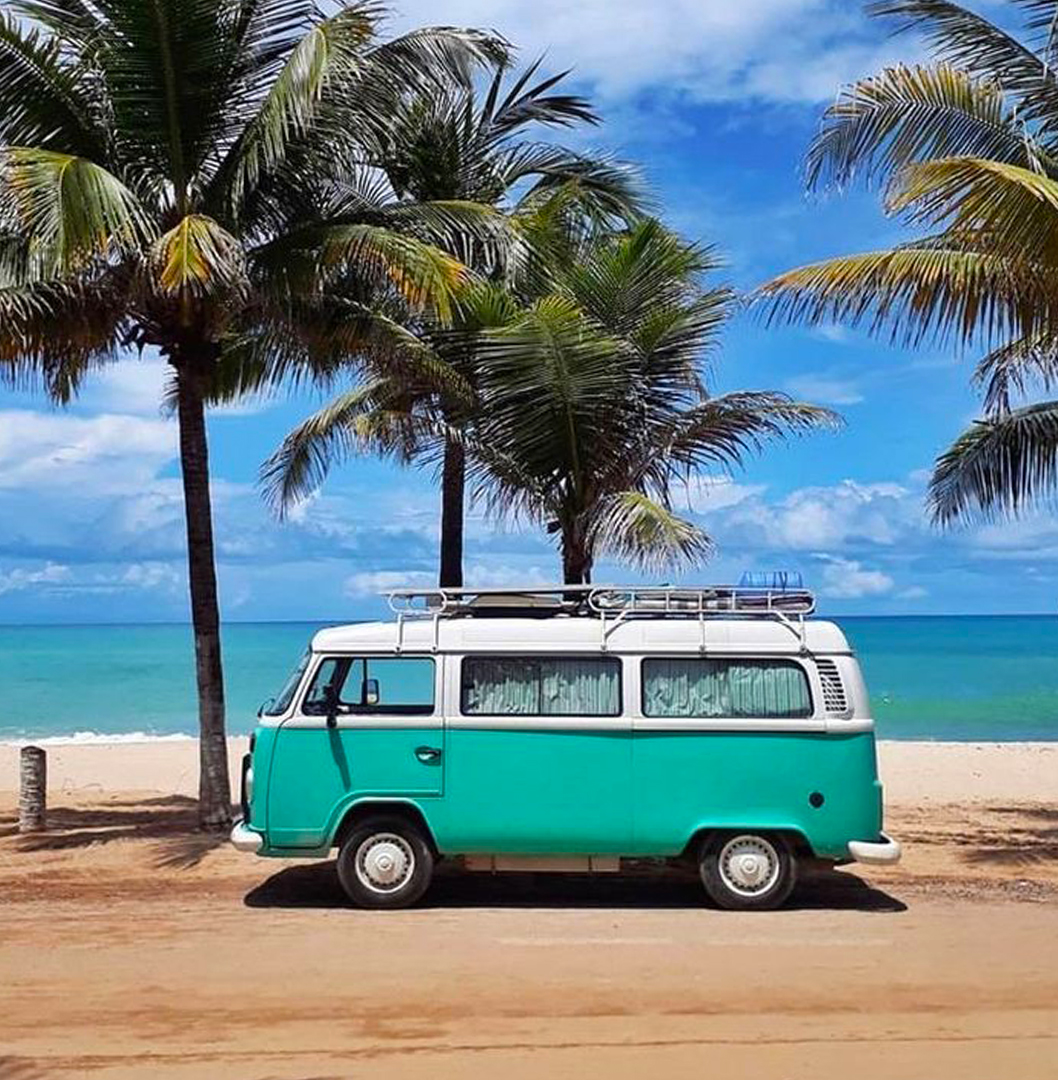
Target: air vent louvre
{"x":834,"y":700}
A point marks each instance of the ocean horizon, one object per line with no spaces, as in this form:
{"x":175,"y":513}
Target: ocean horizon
{"x":946,"y":678}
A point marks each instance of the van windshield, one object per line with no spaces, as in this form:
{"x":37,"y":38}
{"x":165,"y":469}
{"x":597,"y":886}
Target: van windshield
{"x":281,"y":702}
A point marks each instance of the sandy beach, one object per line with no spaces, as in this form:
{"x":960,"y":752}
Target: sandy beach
{"x":133,"y":947}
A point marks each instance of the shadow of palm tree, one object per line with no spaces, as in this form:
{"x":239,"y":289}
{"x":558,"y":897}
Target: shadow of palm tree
{"x":316,"y":886}
{"x":186,"y":852}
{"x":1030,"y":837}
{"x":170,"y":819}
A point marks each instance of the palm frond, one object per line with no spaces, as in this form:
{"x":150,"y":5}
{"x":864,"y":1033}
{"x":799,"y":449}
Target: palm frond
{"x":74,"y":21}
{"x":524,"y":104}
{"x":197,"y":256}
{"x":370,"y":418}
{"x":905,"y":115}
{"x":52,"y":333}
{"x":934,"y":291}
{"x":999,"y":467}
{"x":641,"y":531}
{"x":1013,"y":367}
{"x":44,"y":98}
{"x":605,"y":188}
{"x":724,"y":430}
{"x":435,"y":55}
{"x":331,"y":51}
{"x":70,"y":208}
{"x":167,"y":72}
{"x":973,"y":44}
{"x":423,"y":274}
{"x":1014,"y":209}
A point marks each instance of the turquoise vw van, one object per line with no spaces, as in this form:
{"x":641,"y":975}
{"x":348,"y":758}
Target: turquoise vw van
{"x":572,"y":729}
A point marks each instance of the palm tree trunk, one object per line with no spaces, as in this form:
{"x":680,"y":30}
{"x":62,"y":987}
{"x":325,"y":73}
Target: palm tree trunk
{"x":214,"y":789}
{"x":453,"y":492}
{"x":576,"y":559}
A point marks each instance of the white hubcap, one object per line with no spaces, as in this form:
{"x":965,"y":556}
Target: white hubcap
{"x":384,"y":862}
{"x":749,"y":865}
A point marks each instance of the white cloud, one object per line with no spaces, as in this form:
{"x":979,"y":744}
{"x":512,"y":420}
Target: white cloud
{"x":833,"y":333}
{"x":136,"y":384}
{"x":383,"y":581}
{"x":707,"y":494}
{"x":826,"y":518}
{"x":847,"y":579}
{"x":706,"y":50}
{"x":105,"y":453}
{"x":825,"y":389}
{"x":18,"y":579}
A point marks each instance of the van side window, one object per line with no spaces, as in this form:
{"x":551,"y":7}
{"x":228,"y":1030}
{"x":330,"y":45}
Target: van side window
{"x":700,"y":688}
{"x":401,"y":686}
{"x":541,"y":686}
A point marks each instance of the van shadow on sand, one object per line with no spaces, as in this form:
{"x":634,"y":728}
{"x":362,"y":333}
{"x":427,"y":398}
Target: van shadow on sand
{"x":317,"y":886}
{"x":171,"y":820}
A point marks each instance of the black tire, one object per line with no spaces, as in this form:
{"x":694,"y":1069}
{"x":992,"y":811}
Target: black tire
{"x":763,"y":887}
{"x":396,"y":843}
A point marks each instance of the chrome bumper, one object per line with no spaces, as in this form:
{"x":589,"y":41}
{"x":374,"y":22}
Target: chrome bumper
{"x":882,"y":852}
{"x":245,"y":839}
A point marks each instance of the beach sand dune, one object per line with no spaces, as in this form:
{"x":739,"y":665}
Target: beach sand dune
{"x":133,"y":947}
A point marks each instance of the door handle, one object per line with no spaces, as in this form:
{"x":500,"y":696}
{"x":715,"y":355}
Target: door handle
{"x":428,"y":754}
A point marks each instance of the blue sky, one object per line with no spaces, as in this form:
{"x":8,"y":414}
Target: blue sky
{"x":718,"y":101}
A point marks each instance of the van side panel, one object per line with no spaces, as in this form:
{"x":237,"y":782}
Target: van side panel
{"x":534,"y":792}
{"x":317,"y":772}
{"x":686,"y":781}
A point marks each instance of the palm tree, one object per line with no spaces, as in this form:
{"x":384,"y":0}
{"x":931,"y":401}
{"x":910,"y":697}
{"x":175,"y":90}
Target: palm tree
{"x":456,"y":146}
{"x":967,"y":150}
{"x":593,"y":405}
{"x":175,"y":175}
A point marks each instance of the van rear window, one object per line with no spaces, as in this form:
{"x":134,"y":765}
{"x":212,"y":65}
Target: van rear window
{"x":541,"y":686}
{"x":704,"y":689}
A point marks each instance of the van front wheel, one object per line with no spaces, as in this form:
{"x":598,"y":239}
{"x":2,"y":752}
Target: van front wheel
{"x":385,"y":862}
{"x":747,"y":871}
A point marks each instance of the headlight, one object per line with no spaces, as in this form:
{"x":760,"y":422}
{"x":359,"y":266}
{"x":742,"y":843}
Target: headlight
{"x":248,"y":784}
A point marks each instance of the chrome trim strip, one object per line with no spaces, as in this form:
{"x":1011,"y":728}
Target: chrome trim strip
{"x":817,"y":726}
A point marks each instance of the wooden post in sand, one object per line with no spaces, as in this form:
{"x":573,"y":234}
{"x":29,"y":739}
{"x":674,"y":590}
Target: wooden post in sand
{"x":33,"y":789}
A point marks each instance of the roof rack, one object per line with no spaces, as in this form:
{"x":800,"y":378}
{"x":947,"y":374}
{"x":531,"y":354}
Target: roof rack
{"x":606,"y":600}
{"x":780,"y":597}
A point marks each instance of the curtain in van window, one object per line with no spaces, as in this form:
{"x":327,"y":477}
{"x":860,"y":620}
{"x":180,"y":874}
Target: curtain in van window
{"x":725,"y":689}
{"x":579,"y":688}
{"x":544,"y":687}
{"x":501,"y":687}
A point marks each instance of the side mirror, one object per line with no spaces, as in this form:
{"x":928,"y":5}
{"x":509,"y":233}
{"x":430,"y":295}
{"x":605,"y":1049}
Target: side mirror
{"x":371,"y":694}
{"x":330,"y":702}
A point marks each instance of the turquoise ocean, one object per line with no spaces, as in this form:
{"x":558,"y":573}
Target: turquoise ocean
{"x":988,"y":678}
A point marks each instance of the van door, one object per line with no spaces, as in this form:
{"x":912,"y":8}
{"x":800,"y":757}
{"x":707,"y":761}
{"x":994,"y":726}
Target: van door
{"x":368,"y":726}
{"x":539,"y":757}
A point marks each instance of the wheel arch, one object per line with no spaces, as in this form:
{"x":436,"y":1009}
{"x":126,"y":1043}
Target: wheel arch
{"x":792,"y":834}
{"x":350,"y":816}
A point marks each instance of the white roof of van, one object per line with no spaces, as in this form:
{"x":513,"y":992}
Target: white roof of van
{"x":583,"y":634}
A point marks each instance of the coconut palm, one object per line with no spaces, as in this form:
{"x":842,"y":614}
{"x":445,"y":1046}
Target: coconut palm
{"x":594,"y":408}
{"x":175,"y":175}
{"x":455,"y":145}
{"x":966,"y":149}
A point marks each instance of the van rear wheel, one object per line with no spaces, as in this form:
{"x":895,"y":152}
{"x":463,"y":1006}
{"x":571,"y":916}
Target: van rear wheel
{"x":385,"y":862}
{"x":744,"y":871}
